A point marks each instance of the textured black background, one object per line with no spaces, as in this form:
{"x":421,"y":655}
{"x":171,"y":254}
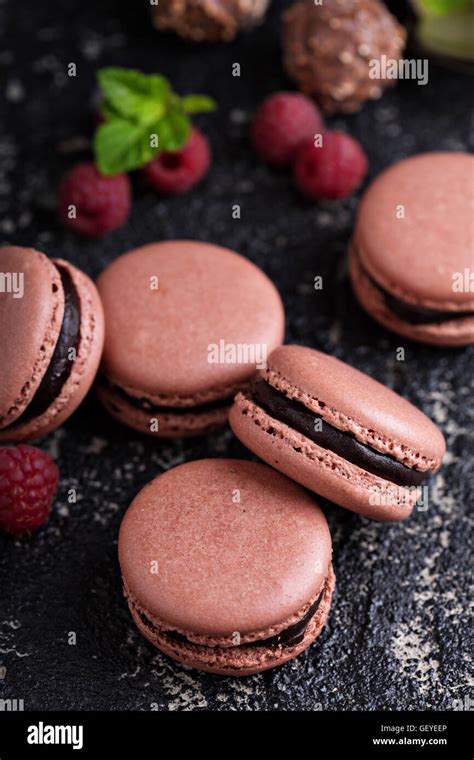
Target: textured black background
{"x":397,"y":635}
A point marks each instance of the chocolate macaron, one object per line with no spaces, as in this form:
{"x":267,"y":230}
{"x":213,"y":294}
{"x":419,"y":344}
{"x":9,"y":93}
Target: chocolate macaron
{"x":51,"y":338}
{"x":226,"y":566}
{"x":411,"y":258}
{"x":187,"y":325}
{"x":338,"y":432}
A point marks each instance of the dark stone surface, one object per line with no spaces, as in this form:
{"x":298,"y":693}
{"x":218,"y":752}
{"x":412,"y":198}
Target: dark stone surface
{"x":397,"y":635}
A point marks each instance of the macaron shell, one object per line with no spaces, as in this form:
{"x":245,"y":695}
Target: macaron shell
{"x":84,"y":367}
{"x":316,"y":468}
{"x":354,"y":402}
{"x":239,"y":547}
{"x":169,"y":425}
{"x":456,"y":332}
{"x":204,"y":294}
{"x":29,"y":328}
{"x":414,"y":257}
{"x":240,"y":661}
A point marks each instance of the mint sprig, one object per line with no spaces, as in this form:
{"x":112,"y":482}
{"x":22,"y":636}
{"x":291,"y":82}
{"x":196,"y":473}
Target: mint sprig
{"x":143,"y":117}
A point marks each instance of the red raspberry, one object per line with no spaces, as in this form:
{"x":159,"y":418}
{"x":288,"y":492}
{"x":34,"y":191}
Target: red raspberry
{"x":28,"y":483}
{"x":101,"y":203}
{"x":282,"y":123}
{"x":178,"y":171}
{"x":331,"y":171}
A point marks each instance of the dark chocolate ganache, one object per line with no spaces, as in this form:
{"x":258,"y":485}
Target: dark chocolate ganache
{"x":156,"y":409}
{"x":60,"y":366}
{"x":289,"y":637}
{"x":297,"y":416}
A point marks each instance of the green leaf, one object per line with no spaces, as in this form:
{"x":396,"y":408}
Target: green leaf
{"x":442,"y":7}
{"x":173,"y":130}
{"x":108,"y":111}
{"x":134,"y":95}
{"x":120,"y":146}
{"x":447,"y":35}
{"x":198,"y":104}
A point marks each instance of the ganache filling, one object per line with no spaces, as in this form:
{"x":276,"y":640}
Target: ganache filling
{"x":289,"y":637}
{"x":60,"y":366}
{"x":345,"y":444}
{"x":145,"y":405}
{"x":411,"y":313}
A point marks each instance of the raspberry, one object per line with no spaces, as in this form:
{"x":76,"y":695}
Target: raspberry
{"x":177,"y":171}
{"x":282,"y":123}
{"x":331,"y":171}
{"x":101,"y":203}
{"x":28,"y":483}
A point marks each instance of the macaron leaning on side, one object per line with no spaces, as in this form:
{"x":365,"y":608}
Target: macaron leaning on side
{"x":51,"y":339}
{"x":226,"y":566}
{"x":411,"y":259}
{"x":187,"y":324}
{"x":338,"y":432}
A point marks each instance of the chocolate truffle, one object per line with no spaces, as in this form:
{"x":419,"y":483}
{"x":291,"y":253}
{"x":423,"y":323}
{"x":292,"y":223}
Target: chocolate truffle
{"x":328,"y":49}
{"x":208,"y":20}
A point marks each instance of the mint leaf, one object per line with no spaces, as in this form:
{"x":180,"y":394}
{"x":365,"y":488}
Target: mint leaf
{"x":120,"y":146}
{"x":136,"y":107}
{"x":198,"y":104}
{"x":173,"y":131}
{"x":108,"y":111}
{"x":134,"y":95}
